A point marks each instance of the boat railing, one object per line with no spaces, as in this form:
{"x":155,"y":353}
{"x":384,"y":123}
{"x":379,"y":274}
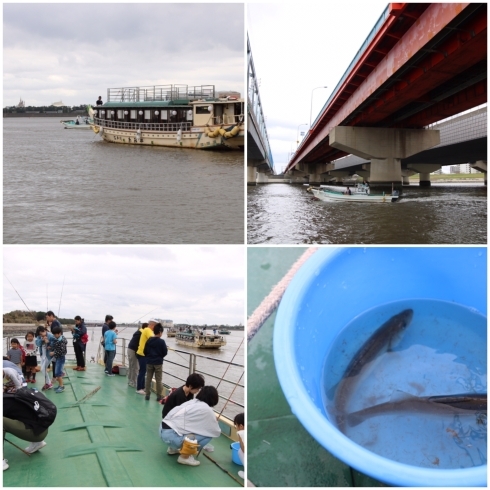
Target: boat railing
{"x":159,"y":93}
{"x":179,"y":364}
{"x":226,"y":119}
{"x":170,"y":127}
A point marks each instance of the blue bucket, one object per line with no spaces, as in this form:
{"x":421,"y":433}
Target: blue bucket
{"x":337,"y":285}
{"x":235,"y":446}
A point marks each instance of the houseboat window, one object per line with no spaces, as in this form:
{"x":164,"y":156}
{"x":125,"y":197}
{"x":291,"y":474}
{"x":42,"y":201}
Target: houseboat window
{"x":147,"y":114}
{"x":133,"y":114}
{"x":164,"y":115}
{"x":202,"y":109}
{"x":189,"y":115}
{"x":119,"y":114}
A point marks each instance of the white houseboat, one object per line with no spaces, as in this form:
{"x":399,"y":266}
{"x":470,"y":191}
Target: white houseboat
{"x":200,"y":341}
{"x":177,"y":116}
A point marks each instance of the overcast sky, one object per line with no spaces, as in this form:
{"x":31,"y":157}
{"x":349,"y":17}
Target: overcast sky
{"x":186,"y":284}
{"x":297,"y":47}
{"x":74,"y":52}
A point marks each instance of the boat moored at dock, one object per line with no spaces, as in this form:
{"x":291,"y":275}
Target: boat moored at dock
{"x":176,"y":116}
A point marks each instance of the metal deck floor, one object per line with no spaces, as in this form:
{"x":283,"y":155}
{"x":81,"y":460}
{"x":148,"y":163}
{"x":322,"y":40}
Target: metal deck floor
{"x":280,"y":452}
{"x":111,"y":439}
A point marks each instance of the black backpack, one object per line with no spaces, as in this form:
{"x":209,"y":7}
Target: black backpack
{"x":31,"y":407}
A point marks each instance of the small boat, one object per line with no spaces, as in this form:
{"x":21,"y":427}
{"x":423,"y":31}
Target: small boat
{"x":78,"y":123}
{"x":171,"y":332}
{"x":177,"y":116}
{"x":200,"y":341}
{"x":224,"y":331}
{"x":358,"y":193}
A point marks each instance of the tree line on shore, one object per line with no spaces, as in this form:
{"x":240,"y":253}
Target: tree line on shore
{"x":44,"y":108}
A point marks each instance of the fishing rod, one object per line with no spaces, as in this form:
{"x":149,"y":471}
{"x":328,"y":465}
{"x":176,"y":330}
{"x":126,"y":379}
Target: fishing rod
{"x":28,"y":309}
{"x":230,"y":362}
{"x":141,"y":317}
{"x":59,"y":307}
{"x":231,"y":394}
{"x":223,"y":469}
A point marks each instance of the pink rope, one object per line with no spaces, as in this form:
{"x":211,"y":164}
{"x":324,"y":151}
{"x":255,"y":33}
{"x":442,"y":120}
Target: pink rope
{"x":272,"y":300}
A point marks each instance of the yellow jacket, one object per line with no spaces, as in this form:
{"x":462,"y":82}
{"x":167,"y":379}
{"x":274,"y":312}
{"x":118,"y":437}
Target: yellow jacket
{"x":145,"y":335}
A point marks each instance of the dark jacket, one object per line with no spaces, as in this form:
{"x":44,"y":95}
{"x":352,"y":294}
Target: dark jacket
{"x":78,"y":331}
{"x":155,"y":350}
{"x":60,"y":348}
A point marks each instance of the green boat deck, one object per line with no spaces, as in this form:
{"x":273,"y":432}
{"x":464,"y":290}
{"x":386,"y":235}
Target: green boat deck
{"x":110,"y":439}
{"x":276,"y":439}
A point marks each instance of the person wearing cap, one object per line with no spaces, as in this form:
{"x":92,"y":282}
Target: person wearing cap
{"x":140,"y":355}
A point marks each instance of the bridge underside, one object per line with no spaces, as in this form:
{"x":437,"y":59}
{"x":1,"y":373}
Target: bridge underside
{"x":408,"y":77}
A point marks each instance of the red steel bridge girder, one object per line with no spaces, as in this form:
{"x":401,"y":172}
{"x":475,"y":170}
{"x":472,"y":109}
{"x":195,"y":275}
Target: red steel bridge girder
{"x":457,"y":54}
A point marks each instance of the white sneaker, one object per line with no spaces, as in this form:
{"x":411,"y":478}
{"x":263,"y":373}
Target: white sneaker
{"x":209,"y":448}
{"x":241,"y":474}
{"x":190,"y":461}
{"x":5,"y":465}
{"x":172,"y":451}
{"x":141,"y":392}
{"x":35,"y":446}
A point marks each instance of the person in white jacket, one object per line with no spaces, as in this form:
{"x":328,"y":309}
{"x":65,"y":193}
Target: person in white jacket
{"x":195,"y":420}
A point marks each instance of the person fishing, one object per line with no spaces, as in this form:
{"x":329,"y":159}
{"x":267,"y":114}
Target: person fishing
{"x":79,"y":332}
{"x":43,"y":338}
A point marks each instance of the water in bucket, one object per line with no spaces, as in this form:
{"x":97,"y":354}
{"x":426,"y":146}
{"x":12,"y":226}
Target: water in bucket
{"x":442,"y":351}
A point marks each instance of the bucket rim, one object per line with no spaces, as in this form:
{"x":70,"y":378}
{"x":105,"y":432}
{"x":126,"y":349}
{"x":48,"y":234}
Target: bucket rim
{"x":313,"y":420}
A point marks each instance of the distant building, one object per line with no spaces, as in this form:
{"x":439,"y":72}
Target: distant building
{"x":166,"y":323}
{"x":21,"y":103}
{"x":58,"y":104}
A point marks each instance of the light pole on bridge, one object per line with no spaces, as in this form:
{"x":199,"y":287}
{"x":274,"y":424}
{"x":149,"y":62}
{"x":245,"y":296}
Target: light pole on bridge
{"x":297,"y":134}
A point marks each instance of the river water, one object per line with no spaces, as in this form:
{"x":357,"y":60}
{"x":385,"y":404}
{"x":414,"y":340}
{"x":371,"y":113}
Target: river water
{"x":440,"y":214}
{"x":69,"y":186}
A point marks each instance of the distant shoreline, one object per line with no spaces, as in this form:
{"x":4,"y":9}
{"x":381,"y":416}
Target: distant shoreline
{"x":40,"y":114}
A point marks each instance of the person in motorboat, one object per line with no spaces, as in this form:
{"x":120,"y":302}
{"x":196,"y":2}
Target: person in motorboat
{"x":189,"y":427}
{"x":348,"y":191}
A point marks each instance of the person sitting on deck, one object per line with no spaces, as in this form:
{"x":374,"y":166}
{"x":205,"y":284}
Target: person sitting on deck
{"x":195,"y":419}
{"x":193,"y":384}
{"x":240,"y":427}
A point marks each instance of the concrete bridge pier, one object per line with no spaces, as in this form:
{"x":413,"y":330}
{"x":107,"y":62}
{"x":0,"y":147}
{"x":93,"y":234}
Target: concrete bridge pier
{"x":385,"y":147}
{"x":424,"y":170}
{"x":481,"y":165}
{"x":251,"y":175}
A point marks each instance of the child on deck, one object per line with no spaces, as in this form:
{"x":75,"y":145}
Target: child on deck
{"x":110,"y":340}
{"x":43,"y":339}
{"x":14,"y":353}
{"x":30,"y":359}
{"x":59,"y":354}
{"x":155,"y":350}
{"x":240,"y":427}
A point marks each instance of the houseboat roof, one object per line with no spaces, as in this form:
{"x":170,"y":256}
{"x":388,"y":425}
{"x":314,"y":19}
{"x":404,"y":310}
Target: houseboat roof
{"x":105,"y":434}
{"x":148,"y":103}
